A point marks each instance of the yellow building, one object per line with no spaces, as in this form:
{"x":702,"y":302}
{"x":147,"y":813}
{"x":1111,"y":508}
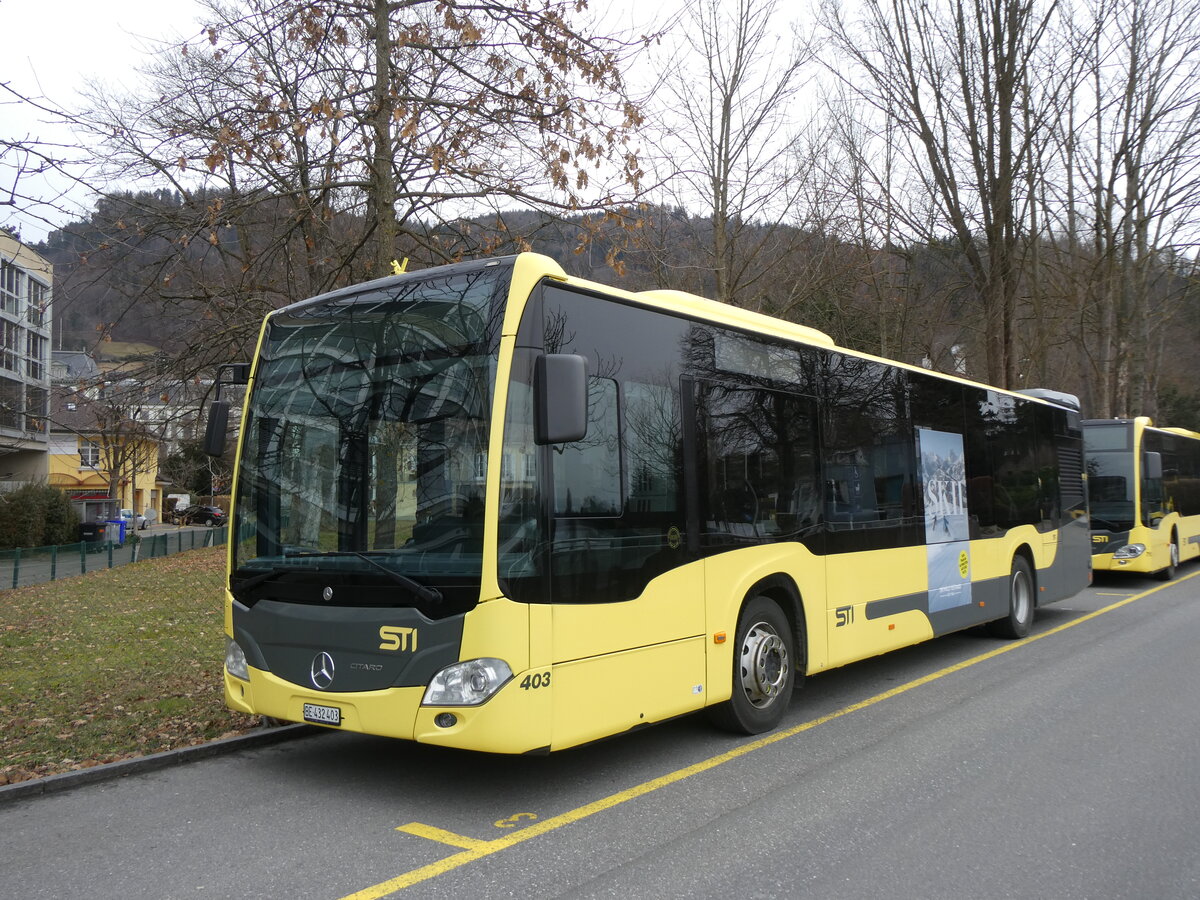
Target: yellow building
{"x":96,"y":441}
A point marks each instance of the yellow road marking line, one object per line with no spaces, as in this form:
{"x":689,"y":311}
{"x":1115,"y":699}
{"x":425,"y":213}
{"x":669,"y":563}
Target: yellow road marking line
{"x":482,"y":849}
{"x":442,"y":836}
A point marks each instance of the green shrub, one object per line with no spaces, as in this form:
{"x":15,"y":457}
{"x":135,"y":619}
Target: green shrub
{"x":62,"y":522}
{"x":22,"y":517}
{"x":37,"y":515}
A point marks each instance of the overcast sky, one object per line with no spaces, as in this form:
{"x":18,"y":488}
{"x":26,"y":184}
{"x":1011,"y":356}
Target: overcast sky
{"x":52,"y":46}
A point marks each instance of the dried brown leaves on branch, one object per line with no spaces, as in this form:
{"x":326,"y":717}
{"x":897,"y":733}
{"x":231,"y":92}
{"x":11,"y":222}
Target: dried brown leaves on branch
{"x":304,"y":145}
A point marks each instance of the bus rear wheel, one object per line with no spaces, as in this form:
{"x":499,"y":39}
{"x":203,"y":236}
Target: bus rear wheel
{"x":1020,"y":603}
{"x":1173,"y":555}
{"x":763,"y":673}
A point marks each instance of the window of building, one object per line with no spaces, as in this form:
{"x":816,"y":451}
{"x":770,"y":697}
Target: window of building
{"x":10,"y":286}
{"x":37,"y":408}
{"x":89,"y":453}
{"x":9,"y":344}
{"x":11,"y":401}
{"x":35,"y":346}
{"x":36,"y":313}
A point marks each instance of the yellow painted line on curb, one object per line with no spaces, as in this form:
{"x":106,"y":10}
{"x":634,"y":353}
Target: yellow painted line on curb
{"x":480,"y":849}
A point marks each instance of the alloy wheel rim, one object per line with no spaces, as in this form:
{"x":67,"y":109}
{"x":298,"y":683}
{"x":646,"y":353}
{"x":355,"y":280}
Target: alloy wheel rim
{"x":764,"y":664}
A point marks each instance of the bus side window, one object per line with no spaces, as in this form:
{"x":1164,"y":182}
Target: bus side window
{"x":868,"y":453}
{"x":761,"y":465}
{"x":587,"y":473}
{"x":1153,"y":499}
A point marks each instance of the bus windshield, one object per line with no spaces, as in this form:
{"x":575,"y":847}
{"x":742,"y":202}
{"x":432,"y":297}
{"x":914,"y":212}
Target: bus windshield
{"x":365,"y":438}
{"x":1110,"y":489}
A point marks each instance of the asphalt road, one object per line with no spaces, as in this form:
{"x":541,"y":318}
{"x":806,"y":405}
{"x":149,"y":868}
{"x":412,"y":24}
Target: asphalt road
{"x":1065,"y":766}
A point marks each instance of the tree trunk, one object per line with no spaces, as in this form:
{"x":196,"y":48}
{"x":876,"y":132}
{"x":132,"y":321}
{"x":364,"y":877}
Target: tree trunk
{"x":382,"y":197}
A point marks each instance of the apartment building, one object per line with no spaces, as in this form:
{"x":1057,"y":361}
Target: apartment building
{"x":25,"y":331}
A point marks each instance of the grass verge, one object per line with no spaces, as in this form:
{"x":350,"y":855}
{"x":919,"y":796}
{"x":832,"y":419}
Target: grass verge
{"x":114,"y":664}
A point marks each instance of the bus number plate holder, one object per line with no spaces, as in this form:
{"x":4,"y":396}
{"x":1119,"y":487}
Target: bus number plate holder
{"x":322,"y":715}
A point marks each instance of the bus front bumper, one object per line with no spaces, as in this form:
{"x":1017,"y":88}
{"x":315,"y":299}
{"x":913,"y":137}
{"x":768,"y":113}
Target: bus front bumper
{"x":1127,"y":560}
{"x":513,"y":720}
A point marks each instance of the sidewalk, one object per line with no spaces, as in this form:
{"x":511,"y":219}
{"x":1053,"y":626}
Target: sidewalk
{"x":37,"y":565}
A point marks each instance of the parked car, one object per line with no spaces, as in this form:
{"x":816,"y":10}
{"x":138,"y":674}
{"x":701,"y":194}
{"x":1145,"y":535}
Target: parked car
{"x":200,"y":515}
{"x":132,"y":521}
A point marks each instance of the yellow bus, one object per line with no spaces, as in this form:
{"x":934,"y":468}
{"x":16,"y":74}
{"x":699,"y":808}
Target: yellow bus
{"x":1144,"y":489}
{"x":494,"y":507}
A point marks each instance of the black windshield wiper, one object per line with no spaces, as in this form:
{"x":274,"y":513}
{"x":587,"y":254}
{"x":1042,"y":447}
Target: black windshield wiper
{"x":253,"y":581}
{"x":424,"y":592}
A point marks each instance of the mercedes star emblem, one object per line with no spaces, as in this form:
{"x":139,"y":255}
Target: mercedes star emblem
{"x":322,"y":670}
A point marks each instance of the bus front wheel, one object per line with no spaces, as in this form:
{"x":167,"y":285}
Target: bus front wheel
{"x":763,"y":673}
{"x":1020,"y":602}
{"x":1173,"y":556}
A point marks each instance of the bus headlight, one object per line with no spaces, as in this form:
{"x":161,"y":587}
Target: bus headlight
{"x":467,"y":683}
{"x":235,"y":660}
{"x":1129,"y":551}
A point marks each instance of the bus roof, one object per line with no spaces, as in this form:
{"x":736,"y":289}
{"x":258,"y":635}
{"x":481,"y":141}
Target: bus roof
{"x":530,"y":267}
{"x":1183,"y":432}
{"x":1145,"y":422}
{"x":735,"y":316}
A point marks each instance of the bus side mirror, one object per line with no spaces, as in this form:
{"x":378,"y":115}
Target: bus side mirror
{"x":560,"y":398}
{"x":218,"y":411}
{"x":214,"y":431}
{"x":1152,"y":462}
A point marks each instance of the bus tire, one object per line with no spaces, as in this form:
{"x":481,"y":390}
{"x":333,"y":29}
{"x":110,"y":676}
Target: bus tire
{"x":763,"y":670}
{"x":1020,"y":602}
{"x":1168,"y":573}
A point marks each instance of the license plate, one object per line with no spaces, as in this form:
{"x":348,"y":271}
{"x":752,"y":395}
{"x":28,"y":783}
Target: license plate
{"x":322,"y":715}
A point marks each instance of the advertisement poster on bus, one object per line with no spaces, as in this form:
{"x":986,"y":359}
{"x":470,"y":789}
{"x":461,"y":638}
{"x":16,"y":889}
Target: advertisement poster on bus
{"x":944,"y":486}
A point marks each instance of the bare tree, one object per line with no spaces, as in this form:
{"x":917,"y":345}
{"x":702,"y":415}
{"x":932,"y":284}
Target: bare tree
{"x":36,"y":173}
{"x":867,"y":281}
{"x":731,"y":150}
{"x":309,"y":144}
{"x":404,"y":114}
{"x":1129,"y":147}
{"x":954,"y":80}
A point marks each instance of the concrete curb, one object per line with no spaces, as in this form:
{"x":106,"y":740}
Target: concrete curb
{"x":52,"y":784}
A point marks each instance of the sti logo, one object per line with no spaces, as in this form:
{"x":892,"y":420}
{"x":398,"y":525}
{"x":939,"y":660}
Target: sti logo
{"x":397,"y":638}
{"x":1099,"y":539}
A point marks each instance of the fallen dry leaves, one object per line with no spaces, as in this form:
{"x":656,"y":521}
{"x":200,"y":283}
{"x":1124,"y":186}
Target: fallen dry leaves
{"x":112,"y":665}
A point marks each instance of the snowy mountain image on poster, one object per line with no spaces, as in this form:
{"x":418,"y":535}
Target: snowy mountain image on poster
{"x":944,"y":488}
{"x":944,"y":485}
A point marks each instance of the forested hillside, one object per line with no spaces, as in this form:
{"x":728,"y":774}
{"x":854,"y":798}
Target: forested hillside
{"x":119,"y":279}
